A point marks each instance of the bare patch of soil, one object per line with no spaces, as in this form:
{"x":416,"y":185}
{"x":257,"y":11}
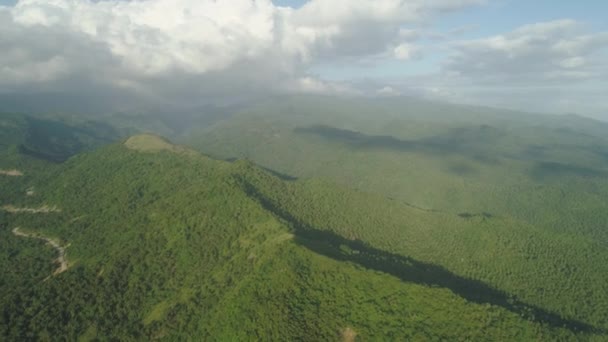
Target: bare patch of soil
{"x":12,"y":173}
{"x":349,"y":335}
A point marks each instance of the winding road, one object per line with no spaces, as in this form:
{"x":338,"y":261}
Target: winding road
{"x":61,"y":258}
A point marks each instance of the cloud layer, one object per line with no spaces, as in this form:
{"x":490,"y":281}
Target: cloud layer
{"x":189,"y":47}
{"x":557,"y":66}
{"x":556,"y":51}
{"x":188,"y":51}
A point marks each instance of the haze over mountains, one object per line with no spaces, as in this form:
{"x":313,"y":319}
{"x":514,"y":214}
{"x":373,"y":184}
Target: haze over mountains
{"x":141,"y":55}
{"x":409,"y":226}
{"x":344,"y":170}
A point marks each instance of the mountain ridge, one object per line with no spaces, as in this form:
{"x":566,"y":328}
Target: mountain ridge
{"x":175,"y":246}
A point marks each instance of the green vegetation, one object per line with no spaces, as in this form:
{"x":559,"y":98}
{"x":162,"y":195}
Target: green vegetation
{"x":549,"y":171}
{"x":176,"y":246}
{"x":154,"y":143}
{"x":561,"y":273}
{"x":53,"y":139}
{"x":489,"y":228}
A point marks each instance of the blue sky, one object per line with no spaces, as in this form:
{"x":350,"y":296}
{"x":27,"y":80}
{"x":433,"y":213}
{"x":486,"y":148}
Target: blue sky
{"x":494,"y":18}
{"x":541,"y":55}
{"x":500,"y":15}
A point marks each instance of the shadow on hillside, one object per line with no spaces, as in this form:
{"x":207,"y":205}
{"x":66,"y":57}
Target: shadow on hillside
{"x":278,"y":174}
{"x":56,"y":141}
{"x":544,"y":170}
{"x":463,"y":141}
{"x":600,"y":151}
{"x":411,"y":270}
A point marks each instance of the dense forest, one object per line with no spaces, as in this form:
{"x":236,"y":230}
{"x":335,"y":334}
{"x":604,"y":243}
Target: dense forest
{"x":303,"y":170}
{"x":163,"y":242}
{"x":160,"y":241}
{"x":548,"y":171}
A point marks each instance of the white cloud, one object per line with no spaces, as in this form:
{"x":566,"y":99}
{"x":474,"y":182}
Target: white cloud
{"x":388,"y":91}
{"x":409,"y":34}
{"x":406,"y":51}
{"x":182,"y":51}
{"x":165,"y":48}
{"x":316,"y":86}
{"x":557,"y":67}
{"x":572,"y":62}
{"x":532,"y":54}
{"x":153,"y":37}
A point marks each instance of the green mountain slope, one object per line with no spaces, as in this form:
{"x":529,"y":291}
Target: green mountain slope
{"x":555,"y":271}
{"x":549,"y":171}
{"x":165,"y":243}
{"x":52,"y":139}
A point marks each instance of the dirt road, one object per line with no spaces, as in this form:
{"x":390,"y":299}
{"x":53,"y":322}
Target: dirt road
{"x":45,"y":209}
{"x":61,"y":258}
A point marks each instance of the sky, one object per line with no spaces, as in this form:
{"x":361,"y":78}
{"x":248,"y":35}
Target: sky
{"x":543,"y":55}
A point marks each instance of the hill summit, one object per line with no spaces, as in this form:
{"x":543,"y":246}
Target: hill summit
{"x":149,"y":142}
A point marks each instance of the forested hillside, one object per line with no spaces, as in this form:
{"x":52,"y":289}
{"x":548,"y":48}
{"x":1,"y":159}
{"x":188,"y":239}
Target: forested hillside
{"x":52,"y":139}
{"x":303,"y":170}
{"x":162,"y":242}
{"x":549,"y":171}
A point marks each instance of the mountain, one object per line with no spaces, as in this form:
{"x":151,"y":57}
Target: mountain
{"x":546,"y":170}
{"x":52,"y":138}
{"x":161,"y":242}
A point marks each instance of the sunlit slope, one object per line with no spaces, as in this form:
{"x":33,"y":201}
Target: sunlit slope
{"x":549,"y":171}
{"x":558,"y":272}
{"x":176,"y":245}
